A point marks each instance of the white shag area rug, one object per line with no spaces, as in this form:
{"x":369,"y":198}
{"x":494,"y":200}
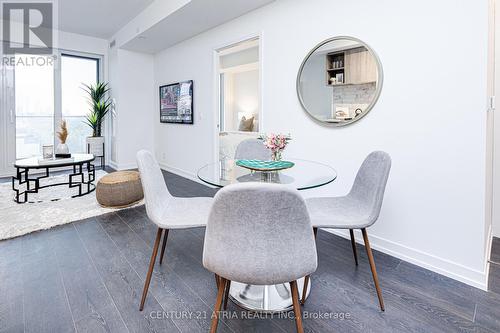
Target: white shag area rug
{"x":48,"y":208}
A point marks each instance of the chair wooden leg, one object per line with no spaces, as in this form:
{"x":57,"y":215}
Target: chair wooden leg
{"x":226,"y":296}
{"x":373,"y":268}
{"x":308,"y":277}
{"x":353,"y":244}
{"x":151,"y":266}
{"x":218,"y":304}
{"x":217,"y":280}
{"x":304,"y":289}
{"x":296,"y":307}
{"x":163,"y":245}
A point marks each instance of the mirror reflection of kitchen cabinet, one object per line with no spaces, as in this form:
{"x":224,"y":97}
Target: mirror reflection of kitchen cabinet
{"x":335,"y":68}
{"x":360,"y":66}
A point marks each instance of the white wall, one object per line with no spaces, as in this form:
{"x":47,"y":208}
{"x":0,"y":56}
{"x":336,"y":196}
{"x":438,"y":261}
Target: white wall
{"x":434,"y":209}
{"x":81,"y":43}
{"x":131,"y":80}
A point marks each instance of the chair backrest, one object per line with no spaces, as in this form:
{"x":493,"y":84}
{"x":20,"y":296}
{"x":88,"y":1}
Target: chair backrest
{"x":252,"y":149}
{"x":156,"y":194}
{"x":369,"y":186}
{"x":259,"y":234}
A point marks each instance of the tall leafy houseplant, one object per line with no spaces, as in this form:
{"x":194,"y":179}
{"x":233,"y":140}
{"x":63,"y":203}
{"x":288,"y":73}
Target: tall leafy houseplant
{"x":100,"y":104}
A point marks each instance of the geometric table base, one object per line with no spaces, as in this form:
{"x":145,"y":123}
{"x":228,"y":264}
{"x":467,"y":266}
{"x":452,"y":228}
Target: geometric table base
{"x":76,"y":179}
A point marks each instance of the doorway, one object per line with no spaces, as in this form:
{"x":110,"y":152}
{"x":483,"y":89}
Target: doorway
{"x":238,"y":71}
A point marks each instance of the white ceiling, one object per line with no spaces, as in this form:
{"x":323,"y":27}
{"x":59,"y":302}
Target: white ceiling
{"x":192,"y":19}
{"x":103,"y":18}
{"x":98,"y":18}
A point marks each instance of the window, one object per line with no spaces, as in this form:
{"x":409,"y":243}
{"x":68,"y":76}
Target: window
{"x":34,"y":98}
{"x":75,"y":72}
{"x":44,"y":95}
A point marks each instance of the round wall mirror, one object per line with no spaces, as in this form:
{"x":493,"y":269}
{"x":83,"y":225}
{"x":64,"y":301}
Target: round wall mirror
{"x":339,"y":81}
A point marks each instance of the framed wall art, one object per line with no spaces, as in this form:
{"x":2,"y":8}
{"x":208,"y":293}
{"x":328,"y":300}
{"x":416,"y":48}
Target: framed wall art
{"x":176,"y":103}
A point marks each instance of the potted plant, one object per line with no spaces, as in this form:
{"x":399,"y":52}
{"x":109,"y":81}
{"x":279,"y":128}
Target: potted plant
{"x":100,"y":104}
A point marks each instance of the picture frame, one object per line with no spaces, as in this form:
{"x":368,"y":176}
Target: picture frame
{"x":176,"y":103}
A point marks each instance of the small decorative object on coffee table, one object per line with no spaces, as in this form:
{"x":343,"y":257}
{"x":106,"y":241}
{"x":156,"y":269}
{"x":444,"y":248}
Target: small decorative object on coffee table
{"x":62,"y":149}
{"x":276,"y":143}
{"x":47,"y":151}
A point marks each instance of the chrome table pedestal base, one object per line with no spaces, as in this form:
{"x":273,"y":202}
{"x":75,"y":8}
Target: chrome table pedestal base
{"x":273,"y":298}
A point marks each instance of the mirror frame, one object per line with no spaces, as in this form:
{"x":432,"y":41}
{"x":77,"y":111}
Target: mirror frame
{"x":380,"y":81}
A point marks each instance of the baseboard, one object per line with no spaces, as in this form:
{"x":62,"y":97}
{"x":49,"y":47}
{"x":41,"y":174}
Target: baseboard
{"x":475,"y":278}
{"x":113,"y":165}
{"x":183,"y":173}
{"x":126,"y":166}
{"x":7,"y":175}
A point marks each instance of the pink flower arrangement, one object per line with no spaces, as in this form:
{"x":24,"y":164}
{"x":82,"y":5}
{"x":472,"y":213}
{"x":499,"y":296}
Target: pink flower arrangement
{"x":276,"y":143}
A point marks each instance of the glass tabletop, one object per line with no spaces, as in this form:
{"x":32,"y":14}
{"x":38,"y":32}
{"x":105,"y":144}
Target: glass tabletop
{"x":303,"y":175}
{"x":34,"y":162}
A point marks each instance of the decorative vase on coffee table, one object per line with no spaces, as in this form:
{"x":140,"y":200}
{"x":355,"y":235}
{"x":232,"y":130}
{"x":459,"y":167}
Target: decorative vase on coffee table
{"x":62,"y":149}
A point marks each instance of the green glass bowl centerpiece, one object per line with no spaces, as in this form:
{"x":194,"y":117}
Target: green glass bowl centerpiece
{"x":258,"y":165}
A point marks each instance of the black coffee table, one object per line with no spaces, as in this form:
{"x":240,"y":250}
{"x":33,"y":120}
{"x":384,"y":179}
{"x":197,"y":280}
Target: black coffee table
{"x":33,"y":183}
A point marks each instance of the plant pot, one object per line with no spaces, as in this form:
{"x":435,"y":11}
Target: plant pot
{"x":95,"y":145}
{"x":62,"y":149}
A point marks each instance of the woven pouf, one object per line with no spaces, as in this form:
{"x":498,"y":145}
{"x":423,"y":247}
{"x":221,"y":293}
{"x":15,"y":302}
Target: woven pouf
{"x":119,"y":189}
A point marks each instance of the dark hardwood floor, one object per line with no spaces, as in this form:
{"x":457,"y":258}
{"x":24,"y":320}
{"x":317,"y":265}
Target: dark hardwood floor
{"x":88,"y":276}
{"x":494,"y":278}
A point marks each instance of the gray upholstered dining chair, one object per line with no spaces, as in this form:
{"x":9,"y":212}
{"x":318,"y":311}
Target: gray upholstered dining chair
{"x":259,"y":234}
{"x":252,"y":149}
{"x":166,"y":211}
{"x":357,"y":210}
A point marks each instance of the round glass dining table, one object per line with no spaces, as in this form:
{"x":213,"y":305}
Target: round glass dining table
{"x":303,"y":175}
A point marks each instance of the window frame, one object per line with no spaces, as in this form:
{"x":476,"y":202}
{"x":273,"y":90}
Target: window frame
{"x":58,"y":116}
